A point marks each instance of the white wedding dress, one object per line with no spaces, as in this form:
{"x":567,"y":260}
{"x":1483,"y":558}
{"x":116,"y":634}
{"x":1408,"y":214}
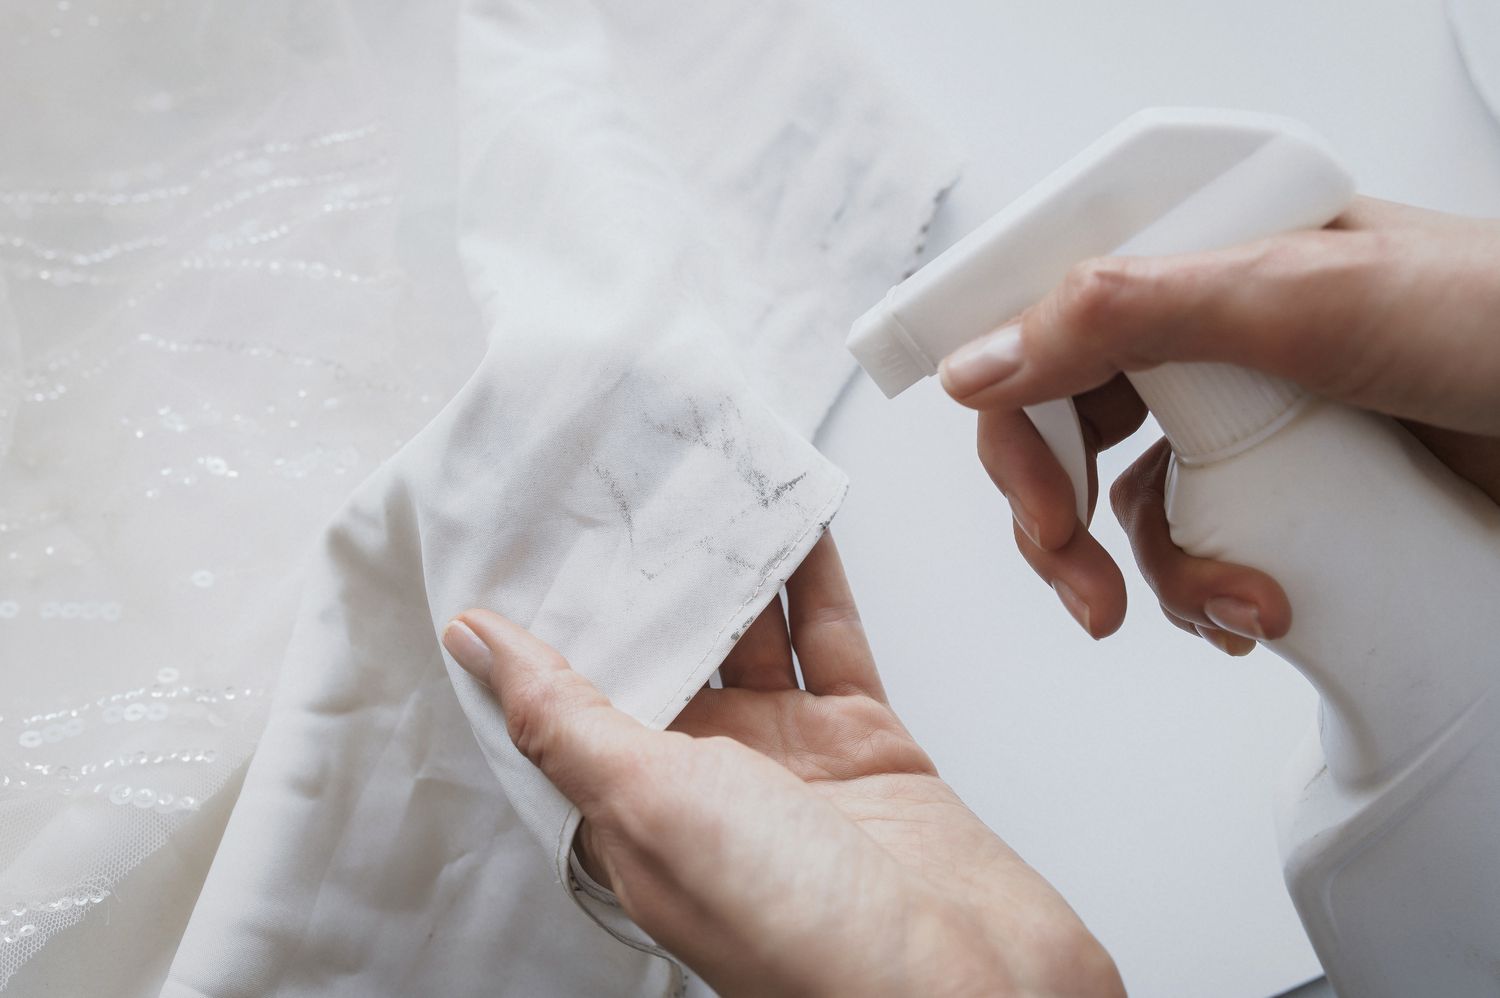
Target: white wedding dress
{"x":322,"y":322}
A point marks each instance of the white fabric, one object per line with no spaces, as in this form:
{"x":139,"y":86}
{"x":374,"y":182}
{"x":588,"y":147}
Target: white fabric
{"x":206,"y":340}
{"x":666,"y":213}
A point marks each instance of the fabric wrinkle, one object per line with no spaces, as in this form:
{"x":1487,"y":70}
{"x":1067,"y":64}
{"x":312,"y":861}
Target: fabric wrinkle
{"x":539,"y":317}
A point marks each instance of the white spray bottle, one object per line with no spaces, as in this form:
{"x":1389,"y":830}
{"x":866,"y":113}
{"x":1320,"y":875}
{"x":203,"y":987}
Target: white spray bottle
{"x":1390,"y":820}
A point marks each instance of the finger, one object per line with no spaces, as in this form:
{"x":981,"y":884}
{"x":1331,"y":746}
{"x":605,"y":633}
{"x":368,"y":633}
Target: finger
{"x":729,"y":713}
{"x":762,"y":658}
{"x":1474,"y":459}
{"x":1207,"y":594}
{"x":556,"y":718}
{"x":1110,"y":413}
{"x":1187,"y":627}
{"x":1085,"y":578}
{"x":826,"y":630}
{"x":1028,"y":475}
{"x":1375,"y":213}
{"x":1335,"y":311}
{"x":1229,"y":644}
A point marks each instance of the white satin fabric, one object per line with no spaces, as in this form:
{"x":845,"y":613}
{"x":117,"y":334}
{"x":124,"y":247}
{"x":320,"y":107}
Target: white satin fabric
{"x":654,"y":220}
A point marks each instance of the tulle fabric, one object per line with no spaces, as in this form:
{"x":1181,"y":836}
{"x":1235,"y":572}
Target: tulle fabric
{"x":208,"y":336}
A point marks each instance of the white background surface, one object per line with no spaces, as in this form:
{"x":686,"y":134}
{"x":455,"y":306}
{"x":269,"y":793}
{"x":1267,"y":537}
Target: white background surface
{"x":1136,"y":773}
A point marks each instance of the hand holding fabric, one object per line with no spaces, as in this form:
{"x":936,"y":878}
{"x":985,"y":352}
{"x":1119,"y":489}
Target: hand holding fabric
{"x":788,"y":840}
{"x":1391,"y":308}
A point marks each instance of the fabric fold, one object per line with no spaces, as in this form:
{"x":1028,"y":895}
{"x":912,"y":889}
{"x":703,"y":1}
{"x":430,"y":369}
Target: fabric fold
{"x":667,"y":215}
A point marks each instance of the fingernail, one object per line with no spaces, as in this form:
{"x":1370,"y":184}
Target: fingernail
{"x":467,"y":650}
{"x":1076,"y":606}
{"x":1229,"y":644}
{"x":1236,"y":616}
{"x":1025,"y":521}
{"x":991,"y":358}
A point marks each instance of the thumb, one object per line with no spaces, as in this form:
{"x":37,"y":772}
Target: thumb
{"x":555,"y":716}
{"x":1394,"y":320}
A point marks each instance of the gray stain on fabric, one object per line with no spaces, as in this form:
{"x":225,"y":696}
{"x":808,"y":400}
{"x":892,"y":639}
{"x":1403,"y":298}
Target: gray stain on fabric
{"x":740,"y":631}
{"x":622,"y":503}
{"x":720,"y":434}
{"x":775,"y":559}
{"x":760,"y":483}
{"x":693,"y":430}
{"x":784,"y":488}
{"x":714,"y":426}
{"x":738,"y":560}
{"x":716,"y":432}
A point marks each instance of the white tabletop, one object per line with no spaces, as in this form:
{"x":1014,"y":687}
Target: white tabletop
{"x":1136,"y":773}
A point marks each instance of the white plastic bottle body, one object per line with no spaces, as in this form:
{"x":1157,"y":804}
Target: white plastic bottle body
{"x":1390,"y":818}
{"x":1390,"y":827}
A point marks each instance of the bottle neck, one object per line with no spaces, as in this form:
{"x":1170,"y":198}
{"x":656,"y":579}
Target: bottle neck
{"x":1213,"y":411}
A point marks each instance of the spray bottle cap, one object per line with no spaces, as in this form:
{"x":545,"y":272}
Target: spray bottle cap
{"x":1165,"y":181}
{"x":887,"y":352}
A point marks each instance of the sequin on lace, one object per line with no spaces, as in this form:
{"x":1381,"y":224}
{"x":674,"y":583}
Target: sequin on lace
{"x":201,"y":349}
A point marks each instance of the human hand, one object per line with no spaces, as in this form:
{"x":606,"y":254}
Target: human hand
{"x":1391,"y":308}
{"x":782,"y":840}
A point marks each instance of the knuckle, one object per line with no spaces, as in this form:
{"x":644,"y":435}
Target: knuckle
{"x":1172,"y":618}
{"x":1293,"y":256}
{"x":1132,"y":495}
{"x":1121,"y":495}
{"x":1175,"y":593}
{"x":1170,"y":574}
{"x":994,"y":455}
{"x":835,"y":616}
{"x":1092,"y":295}
{"x":721,"y":750}
{"x":533,"y":708}
{"x":527,"y":706}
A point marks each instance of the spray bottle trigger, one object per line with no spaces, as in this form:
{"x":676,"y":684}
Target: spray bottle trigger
{"x":1057,"y":422}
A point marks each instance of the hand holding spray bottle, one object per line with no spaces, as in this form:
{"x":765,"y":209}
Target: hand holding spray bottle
{"x":1390,"y":819}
